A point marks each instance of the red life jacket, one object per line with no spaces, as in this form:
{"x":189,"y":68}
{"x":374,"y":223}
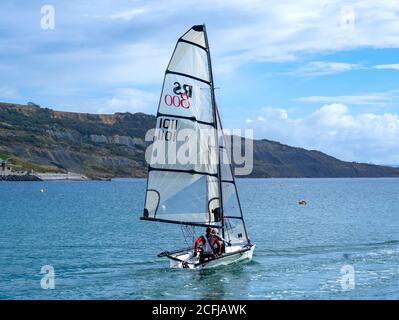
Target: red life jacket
{"x":207,"y":244}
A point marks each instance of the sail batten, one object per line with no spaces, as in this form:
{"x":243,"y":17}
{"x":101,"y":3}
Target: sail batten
{"x":192,"y":43}
{"x":181,"y":222}
{"x":187,"y":118}
{"x":182,"y":171}
{"x":187,"y":76}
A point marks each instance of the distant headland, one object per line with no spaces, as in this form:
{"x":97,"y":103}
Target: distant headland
{"x":52,"y":144}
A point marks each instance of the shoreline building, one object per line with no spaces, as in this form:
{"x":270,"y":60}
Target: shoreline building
{"x":4,"y":168}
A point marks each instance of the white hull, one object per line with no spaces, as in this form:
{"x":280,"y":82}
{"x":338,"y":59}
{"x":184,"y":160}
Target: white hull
{"x":185,"y":259}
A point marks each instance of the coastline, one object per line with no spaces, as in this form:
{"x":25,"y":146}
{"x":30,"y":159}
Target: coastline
{"x":61,"y":176}
{"x":70,"y":176}
{"x":16,"y":178}
{"x":65,"y":177}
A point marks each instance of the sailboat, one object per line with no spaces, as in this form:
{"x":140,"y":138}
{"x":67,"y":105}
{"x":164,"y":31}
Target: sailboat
{"x":198,"y":189}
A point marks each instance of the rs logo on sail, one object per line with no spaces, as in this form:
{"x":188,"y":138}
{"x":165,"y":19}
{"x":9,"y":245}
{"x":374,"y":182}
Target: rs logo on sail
{"x":182,"y":95}
{"x":183,"y":89}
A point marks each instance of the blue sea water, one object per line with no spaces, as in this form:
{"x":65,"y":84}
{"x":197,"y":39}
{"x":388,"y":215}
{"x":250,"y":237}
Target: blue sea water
{"x":91,"y":234}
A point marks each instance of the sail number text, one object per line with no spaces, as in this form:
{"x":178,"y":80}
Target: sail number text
{"x":182,"y":96}
{"x":168,"y":129}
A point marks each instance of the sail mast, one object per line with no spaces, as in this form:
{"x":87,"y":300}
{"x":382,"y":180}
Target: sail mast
{"x":216,"y":128}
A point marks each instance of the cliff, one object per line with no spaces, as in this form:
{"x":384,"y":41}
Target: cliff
{"x":113,"y":145}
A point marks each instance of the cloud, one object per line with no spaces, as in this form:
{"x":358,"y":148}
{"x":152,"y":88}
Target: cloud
{"x":123,"y":15}
{"x":127,"y":15}
{"x":364,"y":137}
{"x":240,"y":32}
{"x":130,"y":43}
{"x":286,"y":30}
{"x":9,"y":93}
{"x":321,"y":68}
{"x":374,"y":98}
{"x":394,"y":66}
{"x":129,"y":100}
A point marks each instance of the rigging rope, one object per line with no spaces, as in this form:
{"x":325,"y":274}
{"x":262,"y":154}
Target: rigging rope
{"x":188,"y":232}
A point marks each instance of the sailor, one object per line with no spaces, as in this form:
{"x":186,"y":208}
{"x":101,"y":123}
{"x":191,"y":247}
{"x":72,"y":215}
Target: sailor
{"x":217,"y":248}
{"x":215,"y":233}
{"x":204,"y":246}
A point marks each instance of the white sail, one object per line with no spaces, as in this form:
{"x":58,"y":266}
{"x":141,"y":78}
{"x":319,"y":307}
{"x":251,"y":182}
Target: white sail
{"x":190,"y":178}
{"x":183,"y":186}
{"x":190,"y":168}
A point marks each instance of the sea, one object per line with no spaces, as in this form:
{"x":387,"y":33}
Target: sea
{"x":84,"y":240}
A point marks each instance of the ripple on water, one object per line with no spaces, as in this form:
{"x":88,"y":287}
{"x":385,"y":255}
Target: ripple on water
{"x":91,"y":234}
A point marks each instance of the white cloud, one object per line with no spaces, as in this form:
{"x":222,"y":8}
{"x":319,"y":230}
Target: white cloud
{"x":240,"y":31}
{"x":321,"y":68}
{"x":260,"y":118}
{"x":365,"y":137}
{"x":140,"y":62}
{"x":8,"y":93}
{"x":131,"y":42}
{"x":129,"y":100}
{"x":274,"y":32}
{"x":284,"y":30}
{"x":127,"y":15}
{"x":394,"y":66}
{"x":373,"y":98}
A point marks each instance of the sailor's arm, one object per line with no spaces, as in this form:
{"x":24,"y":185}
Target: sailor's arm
{"x":223,"y":240}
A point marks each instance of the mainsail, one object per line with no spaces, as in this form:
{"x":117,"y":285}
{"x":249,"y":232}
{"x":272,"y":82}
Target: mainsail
{"x":189,"y":168}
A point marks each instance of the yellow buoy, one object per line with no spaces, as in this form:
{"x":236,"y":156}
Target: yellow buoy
{"x":41,"y":190}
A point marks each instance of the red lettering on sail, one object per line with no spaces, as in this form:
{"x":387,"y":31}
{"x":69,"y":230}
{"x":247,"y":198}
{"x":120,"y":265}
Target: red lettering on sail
{"x":182,"y":101}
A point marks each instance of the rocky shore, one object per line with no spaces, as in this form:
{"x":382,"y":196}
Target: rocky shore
{"x":26,"y":177}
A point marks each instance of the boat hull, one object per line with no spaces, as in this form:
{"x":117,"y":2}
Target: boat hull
{"x":184,"y":260}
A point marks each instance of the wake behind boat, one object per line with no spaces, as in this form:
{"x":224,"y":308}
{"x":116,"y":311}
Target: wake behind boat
{"x":190,"y":177}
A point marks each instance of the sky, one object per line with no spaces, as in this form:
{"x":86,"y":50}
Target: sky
{"x":315,"y":74}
